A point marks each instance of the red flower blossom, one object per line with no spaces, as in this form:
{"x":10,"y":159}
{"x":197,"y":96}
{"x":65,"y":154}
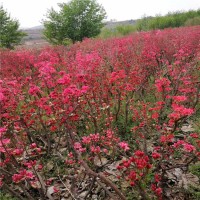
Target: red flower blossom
{"x":124,"y":146}
{"x":156,"y":155}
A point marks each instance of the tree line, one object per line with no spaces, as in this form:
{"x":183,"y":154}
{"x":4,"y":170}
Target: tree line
{"x":171,"y":20}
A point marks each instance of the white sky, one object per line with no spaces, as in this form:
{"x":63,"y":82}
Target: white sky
{"x":31,"y":12}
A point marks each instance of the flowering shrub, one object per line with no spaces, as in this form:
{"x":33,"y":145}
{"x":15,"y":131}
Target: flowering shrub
{"x":120,"y":100}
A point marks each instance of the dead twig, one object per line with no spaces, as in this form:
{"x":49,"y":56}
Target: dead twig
{"x":72,"y":195}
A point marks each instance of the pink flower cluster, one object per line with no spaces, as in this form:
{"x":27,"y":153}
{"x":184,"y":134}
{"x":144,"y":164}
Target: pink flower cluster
{"x":22,"y":175}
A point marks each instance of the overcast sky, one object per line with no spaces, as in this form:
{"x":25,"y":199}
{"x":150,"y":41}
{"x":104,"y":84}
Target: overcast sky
{"x":31,"y":12}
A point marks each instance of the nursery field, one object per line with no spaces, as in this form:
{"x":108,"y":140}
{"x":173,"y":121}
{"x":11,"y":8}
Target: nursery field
{"x":112,"y":119}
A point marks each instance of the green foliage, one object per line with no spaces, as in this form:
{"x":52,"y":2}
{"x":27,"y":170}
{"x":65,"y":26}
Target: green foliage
{"x":10,"y":35}
{"x":172,"y":19}
{"x":193,"y":22}
{"x":4,"y":196}
{"x":125,"y":29}
{"x":107,"y":33}
{"x":195,"y":169}
{"x":120,"y":30}
{"x":76,"y":20}
{"x":194,"y":193}
{"x":142,"y":24}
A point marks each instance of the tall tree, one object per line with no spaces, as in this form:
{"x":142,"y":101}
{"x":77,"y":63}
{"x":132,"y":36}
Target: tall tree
{"x":10,"y":35}
{"x":76,"y":20}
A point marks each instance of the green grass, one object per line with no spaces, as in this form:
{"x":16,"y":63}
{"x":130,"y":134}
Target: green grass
{"x":121,"y":30}
{"x":4,"y":196}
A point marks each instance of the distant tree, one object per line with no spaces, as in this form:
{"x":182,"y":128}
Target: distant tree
{"x":76,"y":20}
{"x":10,"y":35}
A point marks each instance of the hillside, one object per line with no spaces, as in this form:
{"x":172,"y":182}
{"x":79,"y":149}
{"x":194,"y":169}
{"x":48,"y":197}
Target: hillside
{"x":34,"y":36}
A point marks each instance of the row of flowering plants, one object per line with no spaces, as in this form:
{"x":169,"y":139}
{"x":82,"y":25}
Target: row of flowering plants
{"x":68,"y":114}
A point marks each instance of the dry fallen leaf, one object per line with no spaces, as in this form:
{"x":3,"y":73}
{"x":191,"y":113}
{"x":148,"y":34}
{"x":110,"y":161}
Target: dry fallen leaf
{"x":50,"y":166}
{"x":125,"y":184}
{"x":50,"y":190}
{"x":187,"y":128}
{"x":189,"y":179}
{"x":100,"y":162}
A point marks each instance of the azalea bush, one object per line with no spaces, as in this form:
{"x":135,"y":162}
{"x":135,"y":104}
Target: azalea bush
{"x":102,"y":112}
